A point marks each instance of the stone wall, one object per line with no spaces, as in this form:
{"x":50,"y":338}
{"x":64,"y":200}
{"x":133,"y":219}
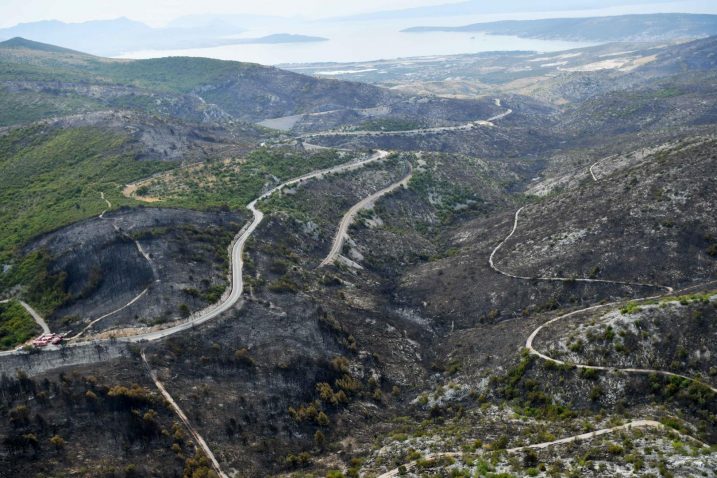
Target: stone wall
{"x":37,"y":363}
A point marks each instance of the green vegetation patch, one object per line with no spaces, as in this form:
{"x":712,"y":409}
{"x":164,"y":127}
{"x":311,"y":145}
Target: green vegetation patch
{"x":28,"y":106}
{"x":234,"y":184}
{"x":630,"y":308}
{"x":178,"y":74}
{"x":447,"y":197}
{"x":16,"y":325}
{"x":44,"y":290}
{"x":690,"y":298}
{"x":54,"y":177}
{"x":36,"y":72}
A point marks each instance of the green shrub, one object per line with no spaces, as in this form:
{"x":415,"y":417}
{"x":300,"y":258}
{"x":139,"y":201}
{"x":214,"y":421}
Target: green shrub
{"x":301,"y":460}
{"x":16,"y":325}
{"x":630,"y":308}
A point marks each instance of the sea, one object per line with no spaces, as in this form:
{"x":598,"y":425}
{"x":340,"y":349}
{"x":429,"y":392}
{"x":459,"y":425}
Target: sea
{"x":361,"y":41}
{"x":356,"y":41}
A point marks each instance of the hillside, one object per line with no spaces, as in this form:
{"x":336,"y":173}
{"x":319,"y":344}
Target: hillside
{"x":140,"y":116}
{"x":244,"y":91}
{"x":55,"y":172}
{"x":261,"y":273}
{"x":54,"y":178}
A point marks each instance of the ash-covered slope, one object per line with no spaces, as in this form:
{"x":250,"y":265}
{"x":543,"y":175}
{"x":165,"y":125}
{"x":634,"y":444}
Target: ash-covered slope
{"x":649,"y":221}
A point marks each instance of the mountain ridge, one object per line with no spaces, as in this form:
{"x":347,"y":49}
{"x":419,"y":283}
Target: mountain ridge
{"x":651,"y":27}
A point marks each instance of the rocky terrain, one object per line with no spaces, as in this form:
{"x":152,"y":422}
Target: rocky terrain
{"x":536,"y":301}
{"x":640,"y":335}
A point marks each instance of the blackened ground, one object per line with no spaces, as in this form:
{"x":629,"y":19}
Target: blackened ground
{"x":103,"y":268}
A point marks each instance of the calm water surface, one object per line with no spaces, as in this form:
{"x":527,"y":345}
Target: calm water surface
{"x":366,"y":41}
{"x":362,"y":41}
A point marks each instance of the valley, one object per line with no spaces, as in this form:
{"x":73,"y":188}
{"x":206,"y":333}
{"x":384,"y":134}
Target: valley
{"x":488,"y":265}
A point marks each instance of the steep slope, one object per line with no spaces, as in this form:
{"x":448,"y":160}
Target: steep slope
{"x":54,"y":172}
{"x":660,"y":204}
{"x":648,"y":223}
{"x":51,"y":178}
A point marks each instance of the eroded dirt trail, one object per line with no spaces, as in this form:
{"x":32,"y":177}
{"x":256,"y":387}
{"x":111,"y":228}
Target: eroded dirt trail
{"x":644,"y":371}
{"x":529,"y":342}
{"x":199,"y":440}
{"x":109,"y":314}
{"x":491,"y":261}
{"x":529,"y":345}
{"x":236,"y":291}
{"x":350,"y":215}
{"x":233,"y":294}
{"x":135,"y":298}
{"x":36,"y":316}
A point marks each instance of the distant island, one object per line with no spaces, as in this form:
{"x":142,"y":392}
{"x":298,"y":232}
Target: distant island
{"x":122,"y":35}
{"x":650,"y":27}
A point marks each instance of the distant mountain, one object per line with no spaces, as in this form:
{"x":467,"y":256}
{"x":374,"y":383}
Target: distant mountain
{"x":651,"y":27}
{"x":478,"y":7}
{"x":114,"y":37}
{"x":101,"y":37}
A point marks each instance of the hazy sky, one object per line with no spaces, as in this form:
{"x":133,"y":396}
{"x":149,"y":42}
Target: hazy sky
{"x":159,"y":12}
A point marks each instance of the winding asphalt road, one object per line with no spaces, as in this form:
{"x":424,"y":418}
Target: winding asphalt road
{"x":348,"y":218}
{"x":237,"y":249}
{"x":410,"y":132}
{"x":237,"y":286}
{"x":237,"y":264}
